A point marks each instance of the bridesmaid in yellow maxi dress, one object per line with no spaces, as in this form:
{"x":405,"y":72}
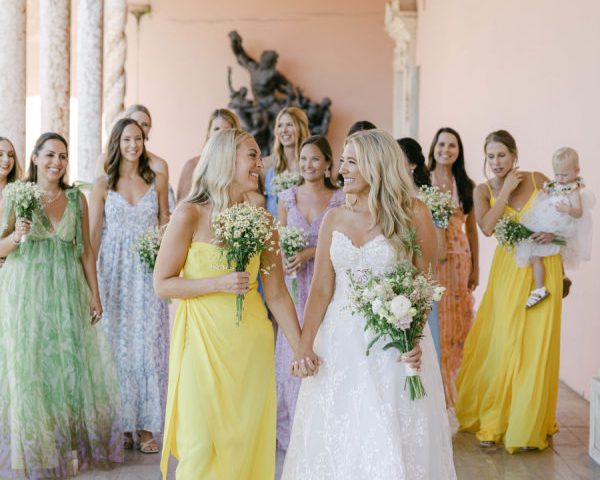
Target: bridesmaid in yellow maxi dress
{"x":508,"y":383}
{"x":221,"y":404}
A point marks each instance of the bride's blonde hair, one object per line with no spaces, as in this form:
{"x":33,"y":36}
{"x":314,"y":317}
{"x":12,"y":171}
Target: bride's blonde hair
{"x":214,"y":175}
{"x":391,"y":197}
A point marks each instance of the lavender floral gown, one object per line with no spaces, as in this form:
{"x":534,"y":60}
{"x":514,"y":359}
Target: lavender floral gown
{"x":288,"y":386}
{"x":135,"y":320}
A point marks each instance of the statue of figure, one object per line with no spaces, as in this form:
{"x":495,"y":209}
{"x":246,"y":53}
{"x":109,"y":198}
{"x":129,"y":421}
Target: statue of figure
{"x":319,"y":116}
{"x":271,"y":92}
{"x":266,"y":81}
{"x":239,"y":103}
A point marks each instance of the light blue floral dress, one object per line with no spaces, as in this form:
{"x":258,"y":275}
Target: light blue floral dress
{"x":135,"y":320}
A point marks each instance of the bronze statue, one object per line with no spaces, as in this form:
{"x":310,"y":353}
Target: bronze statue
{"x":271,"y":91}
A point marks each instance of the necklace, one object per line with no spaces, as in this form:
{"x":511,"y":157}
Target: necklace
{"x":53,"y":199}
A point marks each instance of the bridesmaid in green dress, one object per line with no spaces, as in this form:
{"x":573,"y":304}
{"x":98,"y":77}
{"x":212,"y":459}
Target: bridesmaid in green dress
{"x":59,"y":404}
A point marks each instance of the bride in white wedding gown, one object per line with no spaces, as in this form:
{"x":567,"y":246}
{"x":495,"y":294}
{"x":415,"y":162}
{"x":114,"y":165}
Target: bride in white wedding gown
{"x":354,"y":419}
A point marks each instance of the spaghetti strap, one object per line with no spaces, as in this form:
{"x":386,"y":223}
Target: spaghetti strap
{"x":490,"y":189}
{"x":535,"y":188}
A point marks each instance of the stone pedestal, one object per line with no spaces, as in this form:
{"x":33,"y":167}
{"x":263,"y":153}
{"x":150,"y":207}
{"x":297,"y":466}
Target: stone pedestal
{"x":595,"y":419}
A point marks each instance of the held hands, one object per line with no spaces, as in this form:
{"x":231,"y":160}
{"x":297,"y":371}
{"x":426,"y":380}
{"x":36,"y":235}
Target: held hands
{"x":306,"y":363}
{"x":22,"y":227}
{"x":236,"y":282}
{"x":542,"y":237}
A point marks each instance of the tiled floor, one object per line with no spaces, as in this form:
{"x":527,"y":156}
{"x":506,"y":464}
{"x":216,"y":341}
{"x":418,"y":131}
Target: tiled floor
{"x":565,"y":459}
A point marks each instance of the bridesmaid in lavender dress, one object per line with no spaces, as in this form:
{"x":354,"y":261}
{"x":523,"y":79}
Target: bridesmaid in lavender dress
{"x":303,"y":206}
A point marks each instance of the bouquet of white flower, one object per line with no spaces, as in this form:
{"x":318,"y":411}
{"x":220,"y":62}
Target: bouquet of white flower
{"x":147,"y":245}
{"x":26,"y":198}
{"x":284,"y":180}
{"x":243,"y":231}
{"x":439,"y":203}
{"x":395,"y":306}
{"x":292,"y":241}
{"x":509,"y":232}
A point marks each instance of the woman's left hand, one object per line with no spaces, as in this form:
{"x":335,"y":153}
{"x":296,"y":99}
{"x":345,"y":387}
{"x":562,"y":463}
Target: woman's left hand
{"x":95,"y":310}
{"x":473,"y":279}
{"x":542,"y":237}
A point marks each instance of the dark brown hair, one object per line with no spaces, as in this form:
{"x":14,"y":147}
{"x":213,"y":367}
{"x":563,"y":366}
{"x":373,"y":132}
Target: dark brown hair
{"x":114,"y":157}
{"x":44,"y":137}
{"x":414,"y":155}
{"x":360,"y":126}
{"x":464,"y":184}
{"x":15,"y":172}
{"x":322,"y":144}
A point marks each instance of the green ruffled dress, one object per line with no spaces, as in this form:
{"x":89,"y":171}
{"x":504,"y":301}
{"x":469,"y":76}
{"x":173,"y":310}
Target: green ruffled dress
{"x":59,"y":406}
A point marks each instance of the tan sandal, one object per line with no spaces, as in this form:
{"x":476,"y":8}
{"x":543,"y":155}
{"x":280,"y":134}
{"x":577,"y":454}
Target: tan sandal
{"x":149,"y":446}
{"x":536,"y":296}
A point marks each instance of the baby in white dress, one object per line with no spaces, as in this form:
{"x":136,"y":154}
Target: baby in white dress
{"x":555,"y":210}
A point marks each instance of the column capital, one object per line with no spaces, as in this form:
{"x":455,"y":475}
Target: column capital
{"x":401,"y":26}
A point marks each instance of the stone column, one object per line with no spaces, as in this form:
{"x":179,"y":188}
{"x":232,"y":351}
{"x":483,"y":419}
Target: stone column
{"x":89,"y":86}
{"x":55,"y":65}
{"x":402,"y":27}
{"x":115,"y":48}
{"x":13,"y":21}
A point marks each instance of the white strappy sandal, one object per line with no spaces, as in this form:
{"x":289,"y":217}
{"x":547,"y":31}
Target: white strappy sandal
{"x":536,"y":296}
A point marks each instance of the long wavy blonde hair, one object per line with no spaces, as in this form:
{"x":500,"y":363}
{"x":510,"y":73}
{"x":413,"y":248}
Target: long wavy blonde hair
{"x":214,"y":174}
{"x":300,"y":121}
{"x":391,"y":197}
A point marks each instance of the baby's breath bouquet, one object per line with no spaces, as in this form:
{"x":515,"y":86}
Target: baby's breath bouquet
{"x":26,"y":198}
{"x":284,"y":180}
{"x":439,"y":203}
{"x":243,"y":231}
{"x":395,"y":306}
{"x":292,"y":241}
{"x":146,"y":246}
{"x":510,"y":232}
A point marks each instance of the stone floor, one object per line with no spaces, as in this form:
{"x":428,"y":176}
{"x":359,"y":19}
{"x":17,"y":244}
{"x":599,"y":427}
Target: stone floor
{"x":565,"y":459}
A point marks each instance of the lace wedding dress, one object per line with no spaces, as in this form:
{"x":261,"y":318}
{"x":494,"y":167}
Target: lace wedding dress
{"x":354,"y":419}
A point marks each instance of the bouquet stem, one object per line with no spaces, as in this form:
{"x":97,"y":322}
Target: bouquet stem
{"x":25,"y":213}
{"x":416,"y":390}
{"x":294,"y":285}
{"x":239,"y":304}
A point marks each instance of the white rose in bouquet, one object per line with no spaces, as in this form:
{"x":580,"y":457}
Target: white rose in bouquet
{"x":377,"y":306}
{"x":400,"y":307}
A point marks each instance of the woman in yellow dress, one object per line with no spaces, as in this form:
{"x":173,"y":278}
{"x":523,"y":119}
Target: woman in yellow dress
{"x":508,"y":382}
{"x":221,"y":403}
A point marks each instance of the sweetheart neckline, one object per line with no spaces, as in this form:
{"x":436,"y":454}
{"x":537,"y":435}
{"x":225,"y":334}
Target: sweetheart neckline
{"x":364,"y":245}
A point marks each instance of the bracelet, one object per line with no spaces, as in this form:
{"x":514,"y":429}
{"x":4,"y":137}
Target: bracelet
{"x":16,"y":242}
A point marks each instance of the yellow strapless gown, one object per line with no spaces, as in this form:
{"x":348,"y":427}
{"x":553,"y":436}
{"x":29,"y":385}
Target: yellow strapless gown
{"x":221,"y":404}
{"x":508,"y":382}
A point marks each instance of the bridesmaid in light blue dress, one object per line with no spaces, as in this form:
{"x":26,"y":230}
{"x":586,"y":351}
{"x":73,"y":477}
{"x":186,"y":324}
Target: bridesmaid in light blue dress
{"x":130,"y":199}
{"x":291,"y":129}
